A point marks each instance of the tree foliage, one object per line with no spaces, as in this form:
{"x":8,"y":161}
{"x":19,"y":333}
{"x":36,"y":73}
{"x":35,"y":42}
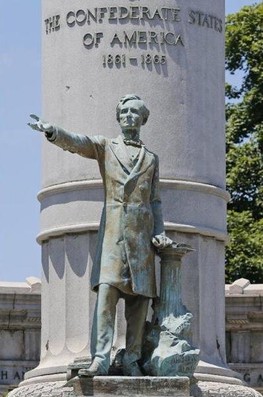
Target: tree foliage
{"x":244,"y":136}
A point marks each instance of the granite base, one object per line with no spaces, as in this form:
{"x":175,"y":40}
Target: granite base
{"x":108,"y":386}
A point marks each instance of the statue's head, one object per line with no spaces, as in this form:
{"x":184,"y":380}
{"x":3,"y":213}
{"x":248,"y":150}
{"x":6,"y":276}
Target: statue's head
{"x":133,"y":104}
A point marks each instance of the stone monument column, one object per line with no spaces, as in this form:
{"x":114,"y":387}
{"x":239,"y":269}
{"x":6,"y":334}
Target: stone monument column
{"x":171,"y":54}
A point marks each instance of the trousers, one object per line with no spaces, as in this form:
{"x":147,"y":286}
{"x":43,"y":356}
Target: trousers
{"x":136,"y":307}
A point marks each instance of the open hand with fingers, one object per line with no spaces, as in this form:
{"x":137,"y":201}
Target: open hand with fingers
{"x":40,"y":125}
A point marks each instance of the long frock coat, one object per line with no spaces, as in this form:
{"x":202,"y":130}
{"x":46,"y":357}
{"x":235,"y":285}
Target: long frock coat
{"x":131,"y":215}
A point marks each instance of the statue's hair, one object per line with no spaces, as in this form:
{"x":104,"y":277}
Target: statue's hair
{"x":131,"y":97}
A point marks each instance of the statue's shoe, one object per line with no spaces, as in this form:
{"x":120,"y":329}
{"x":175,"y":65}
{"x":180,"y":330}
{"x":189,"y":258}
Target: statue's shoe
{"x":132,"y":369}
{"x":95,"y":369}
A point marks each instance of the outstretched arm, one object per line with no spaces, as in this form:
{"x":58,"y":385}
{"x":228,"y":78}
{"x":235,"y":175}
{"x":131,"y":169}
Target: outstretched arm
{"x":42,"y":126}
{"x":91,"y":147}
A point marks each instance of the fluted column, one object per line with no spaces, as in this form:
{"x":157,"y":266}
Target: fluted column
{"x":171,"y":281}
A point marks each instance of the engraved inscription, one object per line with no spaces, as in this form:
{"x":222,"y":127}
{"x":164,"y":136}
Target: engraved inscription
{"x":153,"y":59}
{"x":253,"y":379}
{"x":144,"y":37}
{"x":109,"y":60}
{"x":205,"y":20}
{"x":124,"y":14}
{"x":13,"y":374}
{"x":122,"y":59}
{"x":251,"y":375}
{"x":184,"y":364}
{"x":52,"y":24}
{"x":91,"y":39}
{"x":140,"y":39}
{"x":3,"y":375}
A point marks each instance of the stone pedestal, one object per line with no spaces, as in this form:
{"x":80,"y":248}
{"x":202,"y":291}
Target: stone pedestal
{"x":171,"y":281}
{"x":126,"y":386}
{"x":139,"y":387}
{"x":167,"y":350}
{"x":105,"y":386}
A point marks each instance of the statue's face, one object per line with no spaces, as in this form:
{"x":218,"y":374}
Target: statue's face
{"x":131,"y":115}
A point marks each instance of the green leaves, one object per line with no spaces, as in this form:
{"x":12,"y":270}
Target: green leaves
{"x":244,"y":44}
{"x":244,"y":137}
{"x":245,"y":177}
{"x":245,"y":250}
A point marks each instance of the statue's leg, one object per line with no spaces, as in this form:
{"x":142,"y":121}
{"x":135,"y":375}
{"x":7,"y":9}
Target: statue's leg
{"x":102,"y":330}
{"x":136,"y":308}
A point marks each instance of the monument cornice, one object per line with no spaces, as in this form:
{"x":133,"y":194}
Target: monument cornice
{"x":179,"y":184}
{"x":18,"y":321}
{"x":94,"y":226}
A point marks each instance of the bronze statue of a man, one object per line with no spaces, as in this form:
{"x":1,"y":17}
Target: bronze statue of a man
{"x":131,"y":225}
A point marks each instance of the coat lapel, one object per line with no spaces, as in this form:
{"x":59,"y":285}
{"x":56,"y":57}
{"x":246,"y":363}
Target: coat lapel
{"x":119,"y":150}
{"x":133,"y":172}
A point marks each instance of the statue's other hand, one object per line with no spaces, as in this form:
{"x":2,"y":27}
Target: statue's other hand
{"x":40,"y":125}
{"x":161,"y":241}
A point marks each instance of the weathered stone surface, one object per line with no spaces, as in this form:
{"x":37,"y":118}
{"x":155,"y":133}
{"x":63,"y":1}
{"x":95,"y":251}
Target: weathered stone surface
{"x":254,"y":289}
{"x":239,"y":286}
{"x":137,"y":387}
{"x":216,"y":389}
{"x":35,"y":284}
{"x":244,"y":334}
{"x":19,"y":331}
{"x":47,"y":389}
{"x":109,"y":386}
{"x":127,"y":386}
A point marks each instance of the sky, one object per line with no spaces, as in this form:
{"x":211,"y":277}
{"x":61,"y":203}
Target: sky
{"x":20,"y":147}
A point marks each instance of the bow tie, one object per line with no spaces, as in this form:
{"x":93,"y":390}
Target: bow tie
{"x":133,"y":143}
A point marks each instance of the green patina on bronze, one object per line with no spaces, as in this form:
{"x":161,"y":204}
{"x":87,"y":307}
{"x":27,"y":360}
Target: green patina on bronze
{"x":131,"y":226}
